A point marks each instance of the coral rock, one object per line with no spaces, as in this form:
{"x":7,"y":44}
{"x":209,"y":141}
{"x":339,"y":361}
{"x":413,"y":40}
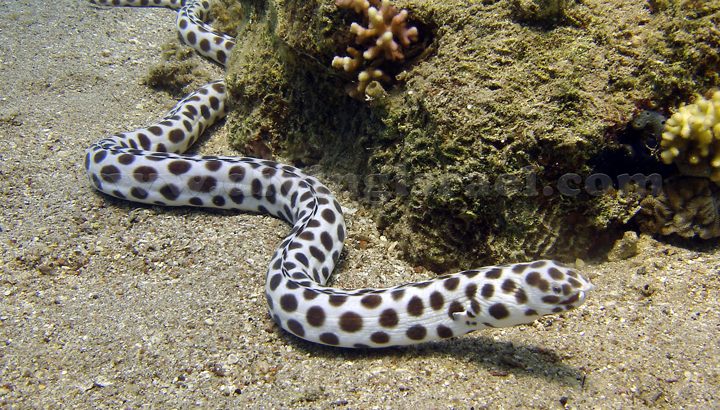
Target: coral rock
{"x":688,"y":207}
{"x":624,"y":248}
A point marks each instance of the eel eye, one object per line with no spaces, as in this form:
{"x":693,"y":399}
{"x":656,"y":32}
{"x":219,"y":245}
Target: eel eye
{"x":557,"y":289}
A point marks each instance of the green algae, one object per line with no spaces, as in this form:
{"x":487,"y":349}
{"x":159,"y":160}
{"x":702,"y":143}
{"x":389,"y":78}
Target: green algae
{"x":461,"y":160}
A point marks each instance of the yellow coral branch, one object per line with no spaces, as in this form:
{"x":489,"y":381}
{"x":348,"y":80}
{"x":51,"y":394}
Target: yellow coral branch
{"x":691,"y":138}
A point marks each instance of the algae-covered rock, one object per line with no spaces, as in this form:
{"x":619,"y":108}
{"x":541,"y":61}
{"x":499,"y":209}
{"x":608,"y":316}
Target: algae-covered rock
{"x":542,"y":12}
{"x":488,"y":145}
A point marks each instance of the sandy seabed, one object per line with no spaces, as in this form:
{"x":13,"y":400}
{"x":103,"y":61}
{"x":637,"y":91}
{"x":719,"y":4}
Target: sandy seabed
{"x":108,"y":304}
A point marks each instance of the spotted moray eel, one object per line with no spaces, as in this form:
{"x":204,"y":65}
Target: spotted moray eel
{"x":148,"y":166}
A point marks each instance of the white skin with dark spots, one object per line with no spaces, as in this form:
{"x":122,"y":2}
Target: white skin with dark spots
{"x":147,"y":165}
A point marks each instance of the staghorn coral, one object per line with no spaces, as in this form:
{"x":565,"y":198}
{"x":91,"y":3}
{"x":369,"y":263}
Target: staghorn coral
{"x":386,"y":38}
{"x":688,"y":207}
{"x":692,"y":138}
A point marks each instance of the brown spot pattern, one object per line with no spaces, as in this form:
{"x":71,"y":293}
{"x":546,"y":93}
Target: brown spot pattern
{"x":416,"y":332}
{"x":329,"y":338}
{"x":371,"y":301}
{"x":444,"y":332}
{"x":498,"y":311}
{"x":380,"y":337}
{"x":351,"y":322}
{"x":508,"y":286}
{"x":451,"y":283}
{"x":288,"y":302}
{"x":315,"y":316}
{"x":556,"y":274}
{"x":455,"y":307}
{"x":437,"y":300}
{"x":415,"y":306}
{"x":337,"y":300}
{"x":521,"y":296}
{"x":296,"y":327}
{"x":388,"y":318}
